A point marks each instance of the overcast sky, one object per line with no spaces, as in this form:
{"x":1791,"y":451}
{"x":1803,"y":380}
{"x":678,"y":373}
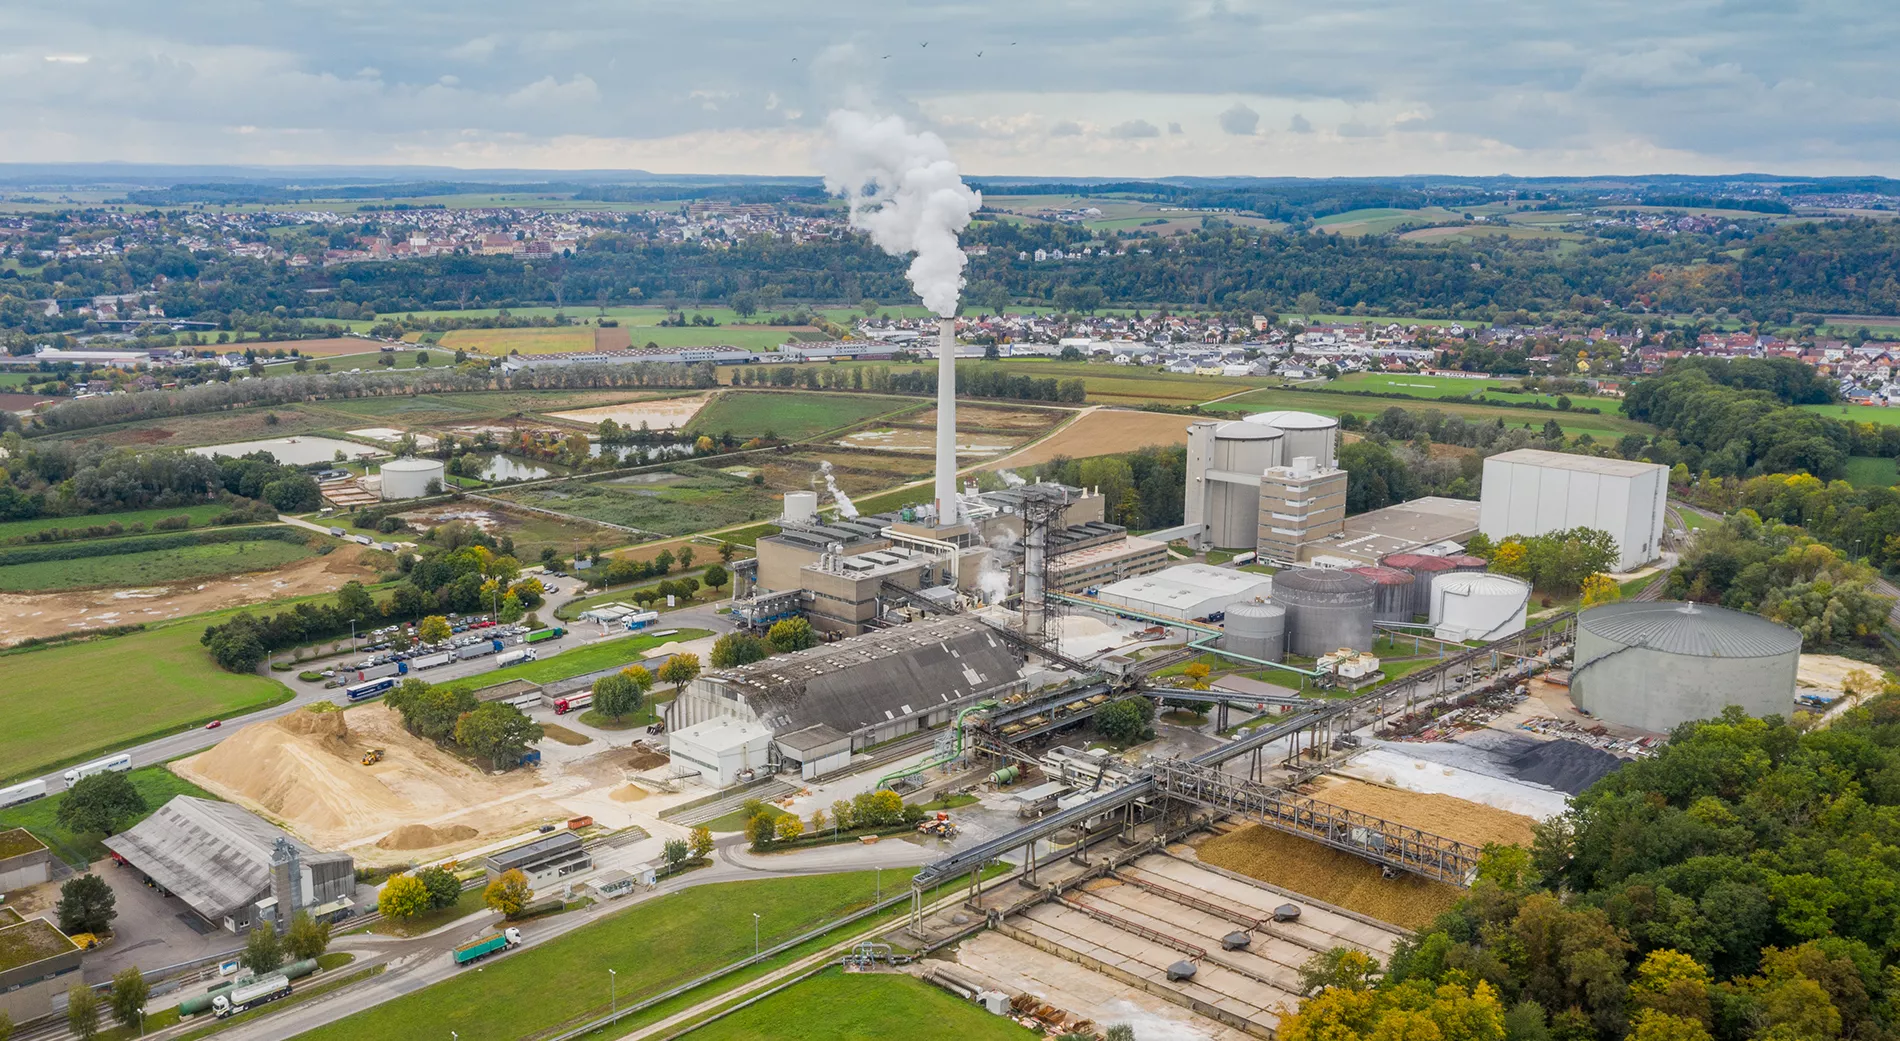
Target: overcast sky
{"x":1096,"y":88}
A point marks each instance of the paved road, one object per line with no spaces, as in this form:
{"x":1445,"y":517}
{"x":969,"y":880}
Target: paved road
{"x":187,"y":742}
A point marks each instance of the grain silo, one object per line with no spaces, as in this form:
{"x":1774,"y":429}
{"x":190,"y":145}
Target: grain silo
{"x":1256,"y":629}
{"x":1423,"y":569}
{"x":1392,"y":593}
{"x":1325,"y":610}
{"x":1233,"y":506}
{"x":1307,"y":435}
{"x":1654,"y":665}
{"x":409,"y":478}
{"x":1478,"y":606}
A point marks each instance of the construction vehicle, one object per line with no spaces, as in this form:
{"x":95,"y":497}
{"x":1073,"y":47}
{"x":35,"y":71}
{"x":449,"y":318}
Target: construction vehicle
{"x":940,"y":825}
{"x":372,"y":757}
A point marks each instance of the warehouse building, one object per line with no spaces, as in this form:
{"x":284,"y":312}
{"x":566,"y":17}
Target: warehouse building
{"x":37,"y":961}
{"x":545,"y":861}
{"x":724,"y":750}
{"x":1186,"y":591}
{"x":872,"y":688}
{"x":234,"y":869}
{"x":1533,"y":492}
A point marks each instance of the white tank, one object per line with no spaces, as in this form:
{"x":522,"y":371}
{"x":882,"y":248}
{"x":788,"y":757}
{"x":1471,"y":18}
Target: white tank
{"x":1233,"y":508}
{"x":409,"y":478}
{"x":1478,"y":606}
{"x":801,"y":507}
{"x":1306,"y":435}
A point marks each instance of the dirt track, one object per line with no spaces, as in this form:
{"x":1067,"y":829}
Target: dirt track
{"x":48,"y":614}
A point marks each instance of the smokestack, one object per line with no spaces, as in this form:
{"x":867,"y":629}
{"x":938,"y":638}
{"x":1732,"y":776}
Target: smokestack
{"x":947,"y":422}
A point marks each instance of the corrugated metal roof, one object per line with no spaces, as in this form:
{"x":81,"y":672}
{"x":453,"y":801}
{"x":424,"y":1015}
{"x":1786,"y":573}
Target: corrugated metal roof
{"x":1584,"y":463}
{"x":213,"y":855}
{"x":1703,"y":630}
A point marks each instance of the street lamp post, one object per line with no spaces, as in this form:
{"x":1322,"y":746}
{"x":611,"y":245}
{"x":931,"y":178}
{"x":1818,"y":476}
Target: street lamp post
{"x":880,"y":884}
{"x":141,"y":1020}
{"x":755,"y":934}
{"x":613,"y":992}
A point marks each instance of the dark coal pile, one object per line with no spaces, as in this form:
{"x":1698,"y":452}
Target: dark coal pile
{"x":1564,"y":765}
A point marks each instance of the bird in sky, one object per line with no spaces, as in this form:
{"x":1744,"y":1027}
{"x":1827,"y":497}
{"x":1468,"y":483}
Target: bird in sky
{"x":926,"y":43}
{"x":979,"y":54}
{"x":887,"y":56}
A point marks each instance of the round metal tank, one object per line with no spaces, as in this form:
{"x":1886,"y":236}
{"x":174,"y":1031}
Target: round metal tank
{"x":1465,"y":562}
{"x":409,"y":478}
{"x":1256,"y":629}
{"x":1656,"y":665}
{"x":1325,"y":610}
{"x":1422,"y":568}
{"x":1392,"y":595}
{"x":1233,"y":510}
{"x":1306,"y":435}
{"x":802,"y":507}
{"x":1478,"y":606}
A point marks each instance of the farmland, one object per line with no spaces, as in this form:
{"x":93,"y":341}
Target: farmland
{"x":652,"y":945}
{"x":833,"y":1006}
{"x":1601,"y":427}
{"x":789,"y":415}
{"x":200,"y":515}
{"x":678,"y":501}
{"x":533,"y":340}
{"x":65,"y":703}
{"x":1104,"y":433}
{"x":1454,"y":388}
{"x":1879,"y":415}
{"x":151,"y":567}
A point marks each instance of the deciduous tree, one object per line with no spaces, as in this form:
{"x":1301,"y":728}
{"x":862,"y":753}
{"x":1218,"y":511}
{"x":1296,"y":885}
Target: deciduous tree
{"x":402,"y":897}
{"x":307,"y":937}
{"x":508,"y":894}
{"x":434,"y":629}
{"x":128,"y":997}
{"x":102,"y":802}
{"x":85,"y":905}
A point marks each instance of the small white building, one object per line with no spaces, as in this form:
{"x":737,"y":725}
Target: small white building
{"x":724,"y":749}
{"x":1186,"y":591}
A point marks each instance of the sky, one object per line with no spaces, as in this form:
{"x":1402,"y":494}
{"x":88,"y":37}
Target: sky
{"x":1102,"y":88}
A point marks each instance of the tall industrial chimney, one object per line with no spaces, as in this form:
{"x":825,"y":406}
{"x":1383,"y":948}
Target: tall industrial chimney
{"x":947,"y":422}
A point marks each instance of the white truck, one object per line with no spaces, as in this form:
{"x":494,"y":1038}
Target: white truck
{"x":26,"y":791}
{"x":514,"y":658}
{"x":110,"y":764}
{"x":251,"y":995}
{"x":430,"y":661}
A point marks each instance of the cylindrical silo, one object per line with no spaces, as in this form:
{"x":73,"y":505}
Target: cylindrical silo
{"x":1306,"y":435}
{"x":409,"y":478}
{"x":1256,"y":629}
{"x":1325,"y":610}
{"x":1422,"y":568}
{"x":1233,"y":507}
{"x":1392,"y":594}
{"x":1478,"y":606}
{"x":1657,"y":664}
{"x":801,"y":507}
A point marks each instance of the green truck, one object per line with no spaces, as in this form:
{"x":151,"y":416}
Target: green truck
{"x":473,"y":952}
{"x":553,"y":633}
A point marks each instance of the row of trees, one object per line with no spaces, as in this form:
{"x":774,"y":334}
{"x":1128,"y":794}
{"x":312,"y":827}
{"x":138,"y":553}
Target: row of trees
{"x":75,"y":478}
{"x":742,"y":648}
{"x":1558,"y":562}
{"x":491,"y":730}
{"x":1778,"y":571}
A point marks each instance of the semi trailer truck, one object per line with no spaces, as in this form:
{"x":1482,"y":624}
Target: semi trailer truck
{"x":473,"y":952}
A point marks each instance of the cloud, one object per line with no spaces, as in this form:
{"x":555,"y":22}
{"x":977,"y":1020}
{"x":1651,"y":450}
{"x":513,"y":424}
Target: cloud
{"x":1066,"y":128}
{"x":1240,"y":120}
{"x":1134,"y":128}
{"x":1175,"y":128}
{"x":1354,"y":128}
{"x":1300,"y":124}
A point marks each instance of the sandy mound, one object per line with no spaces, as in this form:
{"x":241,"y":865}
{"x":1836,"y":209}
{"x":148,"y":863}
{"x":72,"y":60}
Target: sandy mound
{"x":421,"y":836}
{"x":629,"y":793}
{"x":1446,"y":815}
{"x":306,"y":770}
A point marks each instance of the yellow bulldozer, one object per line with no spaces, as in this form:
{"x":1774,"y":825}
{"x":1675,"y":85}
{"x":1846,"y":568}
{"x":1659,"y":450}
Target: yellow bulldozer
{"x":372,"y":757}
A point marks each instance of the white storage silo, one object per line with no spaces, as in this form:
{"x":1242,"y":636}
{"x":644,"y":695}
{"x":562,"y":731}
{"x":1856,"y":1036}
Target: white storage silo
{"x":801,"y":507}
{"x":409,"y":478}
{"x":1233,"y":506}
{"x":1307,"y":434}
{"x":1473,"y":605}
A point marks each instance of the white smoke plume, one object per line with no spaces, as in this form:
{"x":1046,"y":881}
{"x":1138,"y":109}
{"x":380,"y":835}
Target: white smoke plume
{"x":992,"y":583}
{"x":845,"y":508}
{"x":1011,"y":479}
{"x":905,"y":191}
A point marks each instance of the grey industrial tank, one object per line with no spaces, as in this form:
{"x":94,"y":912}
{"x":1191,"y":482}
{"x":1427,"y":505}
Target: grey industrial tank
{"x":1325,"y":610}
{"x":1256,"y":629}
{"x":1422,"y":568}
{"x":1233,"y":509}
{"x":1306,"y":435}
{"x":1392,"y":594}
{"x":1657,"y":664}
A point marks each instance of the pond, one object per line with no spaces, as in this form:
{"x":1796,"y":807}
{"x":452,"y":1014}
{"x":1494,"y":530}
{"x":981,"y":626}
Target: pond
{"x":498,"y":467}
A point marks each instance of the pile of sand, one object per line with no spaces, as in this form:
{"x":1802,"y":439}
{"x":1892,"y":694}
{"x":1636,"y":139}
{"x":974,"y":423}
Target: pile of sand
{"x":629,"y":793}
{"x":306,"y":770}
{"x":1329,"y":875}
{"x":1446,"y":815}
{"x":421,"y":836}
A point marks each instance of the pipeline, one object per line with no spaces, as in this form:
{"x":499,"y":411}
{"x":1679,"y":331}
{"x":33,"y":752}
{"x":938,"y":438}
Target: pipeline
{"x":955,"y":753}
{"x":1207,"y":644}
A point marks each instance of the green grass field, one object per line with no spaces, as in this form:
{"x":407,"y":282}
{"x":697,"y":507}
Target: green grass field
{"x":200,"y":515}
{"x":622,"y":594}
{"x":666,"y":503}
{"x":1602,"y":427}
{"x":438,"y":358}
{"x":789,"y":415}
{"x":1869,"y":471}
{"x":593,"y":657}
{"x":652,"y":946}
{"x":1440,"y":387}
{"x":152,"y":567}
{"x":41,"y":817}
{"x":1879,"y":415}
{"x":69,"y":703}
{"x":1120,"y":385}
{"x":833,"y":1006}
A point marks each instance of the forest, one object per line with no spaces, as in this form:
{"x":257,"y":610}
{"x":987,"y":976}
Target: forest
{"x":1739,"y":886}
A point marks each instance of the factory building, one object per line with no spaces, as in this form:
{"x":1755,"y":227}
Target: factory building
{"x":1269,"y":482}
{"x":724,"y":750}
{"x":1186,"y":591}
{"x":1533,"y":492}
{"x":24,"y":860}
{"x":232,"y":868}
{"x":1656,"y":664}
{"x":37,"y":961}
{"x":545,"y":861}
{"x":868,"y":688}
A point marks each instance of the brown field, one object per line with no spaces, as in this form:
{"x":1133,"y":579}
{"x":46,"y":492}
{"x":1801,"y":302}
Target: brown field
{"x":21,"y":402}
{"x":613,"y":339}
{"x":543,"y":340}
{"x":993,"y":418}
{"x":1446,"y":815}
{"x":1104,"y":432}
{"x":48,"y":614}
{"x":1327,"y":874}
